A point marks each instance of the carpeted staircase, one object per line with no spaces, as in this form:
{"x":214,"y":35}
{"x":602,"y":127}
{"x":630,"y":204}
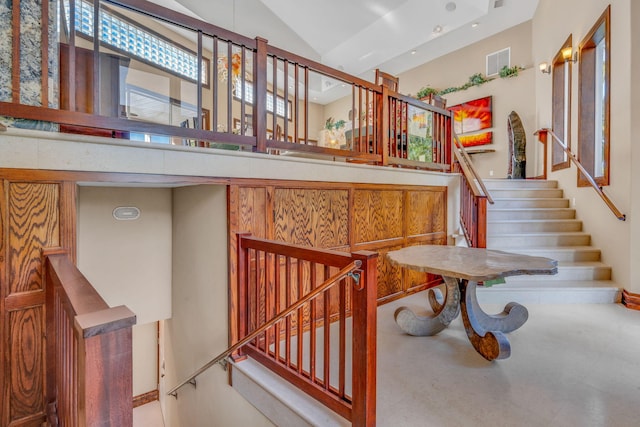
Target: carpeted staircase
{"x":532,"y":217}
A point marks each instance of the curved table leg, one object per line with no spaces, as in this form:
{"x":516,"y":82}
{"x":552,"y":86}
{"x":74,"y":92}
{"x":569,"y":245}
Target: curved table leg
{"x":445,"y":312}
{"x":490,"y":342}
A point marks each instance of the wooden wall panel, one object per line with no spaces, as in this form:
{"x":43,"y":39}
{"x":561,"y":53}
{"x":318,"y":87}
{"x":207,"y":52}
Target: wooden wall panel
{"x":377,"y":215}
{"x":311,"y":217}
{"x":26,"y":363}
{"x":252,"y":206}
{"x":31,"y":215}
{"x":389,"y":276}
{"x":425,"y":212}
{"x":345,"y":217}
{"x":33,"y":224}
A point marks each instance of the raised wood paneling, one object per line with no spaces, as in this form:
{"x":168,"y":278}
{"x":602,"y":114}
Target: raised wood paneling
{"x":30,"y":218}
{"x":26,"y":363}
{"x":33,"y":225}
{"x":426,"y":212}
{"x":377,"y":215}
{"x":346,"y":217}
{"x":311,"y":217}
{"x":252,"y":205}
{"x":389,"y":276}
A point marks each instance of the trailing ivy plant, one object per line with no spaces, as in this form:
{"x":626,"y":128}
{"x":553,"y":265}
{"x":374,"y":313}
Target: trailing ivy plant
{"x":510,"y":71}
{"x":426,"y":91}
{"x":477,"y":79}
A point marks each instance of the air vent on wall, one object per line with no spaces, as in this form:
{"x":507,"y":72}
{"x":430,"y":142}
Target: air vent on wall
{"x":498,"y":3}
{"x":497,"y":60}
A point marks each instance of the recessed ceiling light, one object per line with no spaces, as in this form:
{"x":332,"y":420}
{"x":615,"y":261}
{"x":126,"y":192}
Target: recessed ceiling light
{"x":437,"y":29}
{"x":450,"y":7}
{"x":413,"y":52}
{"x":474,"y":25}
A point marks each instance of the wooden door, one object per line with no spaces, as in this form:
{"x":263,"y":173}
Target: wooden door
{"x":33,"y":216}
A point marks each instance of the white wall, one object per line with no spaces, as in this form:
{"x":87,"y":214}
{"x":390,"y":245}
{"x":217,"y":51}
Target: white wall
{"x":197,"y":332}
{"x":634,"y":188}
{"x":145,"y":358}
{"x":129,"y":263}
{"x":509,"y":94}
{"x":552,"y":24}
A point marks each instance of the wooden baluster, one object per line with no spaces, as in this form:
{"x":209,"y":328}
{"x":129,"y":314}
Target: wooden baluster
{"x":313,"y":324}
{"x":327,"y":332}
{"x":260,"y":96}
{"x":300,"y":316}
{"x":342,"y":353}
{"x":289,"y":289}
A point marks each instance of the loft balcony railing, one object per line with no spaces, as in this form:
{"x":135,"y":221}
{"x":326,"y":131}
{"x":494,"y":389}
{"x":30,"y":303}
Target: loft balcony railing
{"x":147,"y":73}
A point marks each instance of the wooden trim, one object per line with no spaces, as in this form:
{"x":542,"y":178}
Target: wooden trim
{"x":630,"y":300}
{"x":144,"y":398}
{"x":586,"y":79}
{"x":567,"y":66}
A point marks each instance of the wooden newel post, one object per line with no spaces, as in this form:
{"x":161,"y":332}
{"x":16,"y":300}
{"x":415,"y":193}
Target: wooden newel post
{"x":543,"y":135}
{"x":364,"y":304}
{"x":481,"y":235}
{"x":105,"y":366}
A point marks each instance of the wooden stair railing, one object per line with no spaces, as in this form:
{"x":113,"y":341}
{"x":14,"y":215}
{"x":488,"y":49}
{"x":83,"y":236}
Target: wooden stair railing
{"x":273,"y":275}
{"x":349,"y":270}
{"x":474,"y":196}
{"x":89,"y":364}
{"x":542,"y":135}
{"x":288,"y":293}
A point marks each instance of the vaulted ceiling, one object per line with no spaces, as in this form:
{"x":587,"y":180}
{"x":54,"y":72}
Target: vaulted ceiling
{"x":358,"y":36}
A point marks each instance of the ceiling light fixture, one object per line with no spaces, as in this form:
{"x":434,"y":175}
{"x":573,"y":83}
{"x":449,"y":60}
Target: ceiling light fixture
{"x":450,"y":7}
{"x":437,"y":29}
{"x":413,"y":52}
{"x":475,"y":25}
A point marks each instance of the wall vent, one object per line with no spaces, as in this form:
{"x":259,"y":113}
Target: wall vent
{"x":498,"y":3}
{"x":497,"y":60}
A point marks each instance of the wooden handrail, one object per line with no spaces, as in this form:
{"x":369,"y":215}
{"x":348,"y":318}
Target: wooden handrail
{"x":614,"y":209}
{"x":89,"y":365}
{"x":470,"y":172}
{"x":344,"y":272}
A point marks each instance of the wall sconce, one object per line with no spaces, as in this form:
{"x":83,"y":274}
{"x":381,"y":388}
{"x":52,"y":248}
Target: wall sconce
{"x":567,"y":54}
{"x":545,"y":68}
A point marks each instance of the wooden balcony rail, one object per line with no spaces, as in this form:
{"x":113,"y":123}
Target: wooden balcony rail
{"x":542,"y":135}
{"x":473,"y":198}
{"x":244,"y":94}
{"x":311,"y":348}
{"x":89,"y":362}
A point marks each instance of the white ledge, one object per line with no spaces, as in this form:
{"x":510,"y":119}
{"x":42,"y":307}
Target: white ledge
{"x":30,"y":149}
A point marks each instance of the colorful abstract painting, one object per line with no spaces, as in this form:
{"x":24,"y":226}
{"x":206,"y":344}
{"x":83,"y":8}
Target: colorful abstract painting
{"x":473,"y":116}
{"x":476,"y":139}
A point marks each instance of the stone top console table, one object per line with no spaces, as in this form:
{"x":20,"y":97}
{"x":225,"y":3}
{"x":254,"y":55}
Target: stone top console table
{"x":462,"y":268}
